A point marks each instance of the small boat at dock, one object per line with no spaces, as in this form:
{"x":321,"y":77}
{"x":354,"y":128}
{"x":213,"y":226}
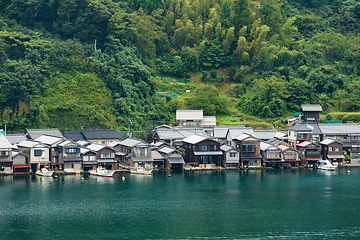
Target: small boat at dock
{"x":44,"y":172}
{"x":326,"y":165}
{"x":101,"y":172}
{"x":140,"y":171}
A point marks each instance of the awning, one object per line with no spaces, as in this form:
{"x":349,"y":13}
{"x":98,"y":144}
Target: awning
{"x":106,"y":160}
{"x":176,"y":160}
{"x":211,"y":153}
{"x":142,"y":159}
{"x":89,"y":162}
{"x":21,"y":166}
{"x":72,"y":159}
{"x":336,"y":156}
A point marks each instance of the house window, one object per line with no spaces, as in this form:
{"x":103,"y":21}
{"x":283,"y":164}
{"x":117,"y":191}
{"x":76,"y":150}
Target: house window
{"x":143,"y":152}
{"x":105,"y":155}
{"x":248,"y":148}
{"x":233,"y":154}
{"x":37,"y":152}
{"x":215,"y":146}
{"x":4,"y":153}
{"x":54,"y":149}
{"x":271,"y":154}
{"x":204,"y":147}
{"x":89,"y":158}
{"x":253,"y":162}
{"x":72,"y":150}
{"x":55,"y":159}
{"x":335,"y":149}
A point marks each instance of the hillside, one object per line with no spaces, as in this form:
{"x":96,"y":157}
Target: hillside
{"x":99,"y":63}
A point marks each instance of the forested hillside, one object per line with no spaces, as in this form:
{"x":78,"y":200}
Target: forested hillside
{"x":99,"y":63}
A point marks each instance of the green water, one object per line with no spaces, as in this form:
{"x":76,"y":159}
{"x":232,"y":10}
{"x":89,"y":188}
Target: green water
{"x":278,"y":204}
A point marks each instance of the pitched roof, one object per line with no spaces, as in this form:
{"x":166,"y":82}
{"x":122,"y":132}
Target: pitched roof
{"x":95,"y":146}
{"x":35,"y":133}
{"x":304,"y":143}
{"x":311,"y":107}
{"x":264,"y":134}
{"x":4,"y":142}
{"x":101,"y":134}
{"x":113,"y":144}
{"x":280,"y":135}
{"x":49,"y":140}
{"x":235,"y":132}
{"x":208,"y":121}
{"x":227,"y":148}
{"x":328,"y":141}
{"x":166,"y":150}
{"x":156,"y":155}
{"x":28,"y":143}
{"x":301,"y":127}
{"x":245,"y":136}
{"x":130,"y":142}
{"x":340,"y":128}
{"x":178,"y":133}
{"x":194,"y":139}
{"x":15,"y":138}
{"x":220,"y":132}
{"x":189,"y":115}
{"x":75,"y":136}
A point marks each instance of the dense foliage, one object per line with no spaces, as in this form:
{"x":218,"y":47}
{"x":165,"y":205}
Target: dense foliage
{"x":88,"y":63}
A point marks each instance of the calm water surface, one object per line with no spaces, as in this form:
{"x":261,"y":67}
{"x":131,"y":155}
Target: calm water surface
{"x":286,"y":204}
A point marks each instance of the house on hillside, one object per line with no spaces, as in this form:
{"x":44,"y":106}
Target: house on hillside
{"x":289,"y":156}
{"x":202,"y":152}
{"x":311,"y":113}
{"x":70,"y":156}
{"x":105,"y":156}
{"x":173,"y":158}
{"x":52,"y":142}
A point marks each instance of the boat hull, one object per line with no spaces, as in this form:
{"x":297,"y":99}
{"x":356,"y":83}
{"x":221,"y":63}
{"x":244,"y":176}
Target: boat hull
{"x":108,"y":174}
{"x":141,"y":172}
{"x":47,"y":174}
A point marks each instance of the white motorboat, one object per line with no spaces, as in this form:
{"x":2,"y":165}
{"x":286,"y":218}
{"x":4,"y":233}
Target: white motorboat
{"x":101,"y":172}
{"x":44,"y":172}
{"x":326,"y":165}
{"x":140,"y":171}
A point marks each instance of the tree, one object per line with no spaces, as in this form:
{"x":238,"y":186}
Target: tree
{"x":225,"y":15}
{"x":241,"y":14}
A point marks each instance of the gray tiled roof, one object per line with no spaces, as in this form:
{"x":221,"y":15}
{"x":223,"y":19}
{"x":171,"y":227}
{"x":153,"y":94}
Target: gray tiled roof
{"x":220,"y":132}
{"x":235,"y":132}
{"x":227,"y":148}
{"x":75,"y":136}
{"x":101,"y":134}
{"x":301,"y":127}
{"x":178,"y":133}
{"x":130,"y":142}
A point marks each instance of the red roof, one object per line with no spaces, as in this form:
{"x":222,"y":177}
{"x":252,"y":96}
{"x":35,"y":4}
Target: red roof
{"x":304,"y":143}
{"x":21,"y":166}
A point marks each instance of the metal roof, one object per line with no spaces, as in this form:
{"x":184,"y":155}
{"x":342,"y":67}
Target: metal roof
{"x":209,"y":153}
{"x":176,"y":160}
{"x":179,"y":133}
{"x":194,"y":139}
{"x":101,"y":134}
{"x":166,"y":150}
{"x":227,"y":148}
{"x":66,"y":142}
{"x":130,"y":142}
{"x":327,"y":141}
{"x":220,"y":132}
{"x":28,"y":143}
{"x":311,"y":107}
{"x":49,"y":140}
{"x":208,"y":121}
{"x":4,"y":142}
{"x":244,"y":136}
{"x":264,"y":134}
{"x":304,"y":143}
{"x":95,"y":147}
{"x":15,"y":138}
{"x":300,"y":127}
{"x":156,"y":155}
{"x":35,"y":133}
{"x":189,"y":115}
{"x":235,"y":132}
{"x":83,"y":143}
{"x":340,"y":128}
{"x":113,"y":144}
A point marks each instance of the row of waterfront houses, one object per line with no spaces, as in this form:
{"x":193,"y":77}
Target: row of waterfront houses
{"x":196,"y":143}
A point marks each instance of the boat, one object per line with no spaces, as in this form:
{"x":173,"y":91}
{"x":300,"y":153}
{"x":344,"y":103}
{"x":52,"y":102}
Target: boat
{"x":44,"y":172}
{"x":141,"y":171}
{"x":326,"y":165}
{"x":101,"y":172}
